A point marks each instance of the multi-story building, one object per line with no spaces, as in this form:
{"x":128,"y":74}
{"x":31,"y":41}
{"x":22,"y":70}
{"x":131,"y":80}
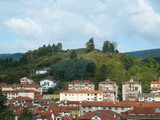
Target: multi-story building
{"x":78,"y":85}
{"x":130,"y":90}
{"x":150,"y":97}
{"x":110,"y":90}
{"x":18,"y":87}
{"x":155,"y":86}
{"x":26,"y":80}
{"x":81,"y":95}
{"x":47,"y":83}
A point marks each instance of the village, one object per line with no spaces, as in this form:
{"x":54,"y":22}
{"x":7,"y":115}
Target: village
{"x":82,"y":102}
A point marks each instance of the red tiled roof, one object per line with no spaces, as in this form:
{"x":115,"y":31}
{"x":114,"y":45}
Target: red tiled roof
{"x":79,"y":81}
{"x":108,"y":81}
{"x":142,"y":110}
{"x":87,"y":91}
{"x":72,"y":107}
{"x":59,"y":109}
{"x":22,"y":98}
{"x":116,"y":104}
{"x":154,"y":88}
{"x":23,"y":85}
{"x":29,"y":91}
{"x":101,"y":115}
{"x":141,"y":113}
{"x":155,"y":82}
{"x":2,"y":84}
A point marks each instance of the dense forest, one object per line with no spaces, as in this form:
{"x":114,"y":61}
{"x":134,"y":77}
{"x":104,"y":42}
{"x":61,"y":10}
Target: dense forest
{"x":88,"y":63}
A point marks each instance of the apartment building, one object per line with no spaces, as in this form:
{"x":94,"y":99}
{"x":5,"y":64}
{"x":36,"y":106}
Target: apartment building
{"x":95,"y":95}
{"x":26,"y":80}
{"x":78,"y":85}
{"x":155,"y":86}
{"x":130,"y":90}
{"x":110,"y":90}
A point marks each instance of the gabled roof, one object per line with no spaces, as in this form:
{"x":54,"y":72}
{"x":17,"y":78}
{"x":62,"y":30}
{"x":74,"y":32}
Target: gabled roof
{"x":102,"y":115}
{"x":132,"y":82}
{"x":155,"y":82}
{"x":86,"y":92}
{"x":108,"y":81}
{"x":2,"y":84}
{"x":141,"y":113}
{"x":142,"y":110}
{"x":81,"y":81}
{"x":22,"y":98}
{"x":59,"y":109}
{"x":23,"y":85}
{"x":111,"y":104}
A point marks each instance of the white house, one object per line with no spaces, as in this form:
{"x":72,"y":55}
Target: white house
{"x":26,"y":80}
{"x":47,"y":83}
{"x":42,"y":71}
{"x":95,"y":95}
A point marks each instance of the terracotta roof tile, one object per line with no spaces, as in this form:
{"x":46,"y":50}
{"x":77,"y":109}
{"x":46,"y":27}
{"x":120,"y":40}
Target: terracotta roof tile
{"x":22,"y":98}
{"x":108,"y":81}
{"x":87,"y":91}
{"x":79,"y":81}
{"x":102,"y":115}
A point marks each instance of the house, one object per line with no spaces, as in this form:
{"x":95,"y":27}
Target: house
{"x":33,"y":91}
{"x":26,"y":80}
{"x":155,"y":86}
{"x":95,"y":95}
{"x":150,"y":97}
{"x":22,"y":100}
{"x":42,"y":71}
{"x":142,"y":113}
{"x":78,"y":85}
{"x":48,"y":83}
{"x":118,"y":107}
{"x":97,"y":115}
{"x":1,"y":85}
{"x":130,"y":90}
{"x":18,"y":87}
{"x":110,"y":90}
{"x":23,"y":93}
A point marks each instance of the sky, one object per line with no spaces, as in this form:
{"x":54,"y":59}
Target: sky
{"x":29,"y":24}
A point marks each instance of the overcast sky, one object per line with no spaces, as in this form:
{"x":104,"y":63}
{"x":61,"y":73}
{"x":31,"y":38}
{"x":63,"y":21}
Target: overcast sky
{"x":29,"y":24}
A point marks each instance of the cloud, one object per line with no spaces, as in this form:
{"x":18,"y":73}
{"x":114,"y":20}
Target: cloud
{"x":24,"y":27}
{"x":70,"y":22}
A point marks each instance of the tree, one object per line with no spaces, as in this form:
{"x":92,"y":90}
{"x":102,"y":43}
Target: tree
{"x":105,"y":47}
{"x":25,"y":114}
{"x":50,"y":91}
{"x":90,"y":45}
{"x":73,"y":54}
{"x":2,"y":105}
{"x":59,"y":47}
{"x":109,"y":47}
{"x":7,"y":115}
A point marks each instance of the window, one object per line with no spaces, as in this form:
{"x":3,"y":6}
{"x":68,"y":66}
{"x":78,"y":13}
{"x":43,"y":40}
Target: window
{"x":116,"y":108}
{"x":110,"y":108}
{"x":122,"y":108}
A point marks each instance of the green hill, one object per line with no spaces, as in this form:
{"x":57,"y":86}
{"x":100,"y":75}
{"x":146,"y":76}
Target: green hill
{"x":14,"y":56}
{"x":145,"y":53}
{"x":117,"y":67}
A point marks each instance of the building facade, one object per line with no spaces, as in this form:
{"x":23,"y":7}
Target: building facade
{"x":26,"y":80}
{"x":47,"y":83}
{"x":130,"y":90}
{"x":78,"y":85}
{"x":81,"y":95}
{"x":155,"y":86}
{"x":110,"y":90}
